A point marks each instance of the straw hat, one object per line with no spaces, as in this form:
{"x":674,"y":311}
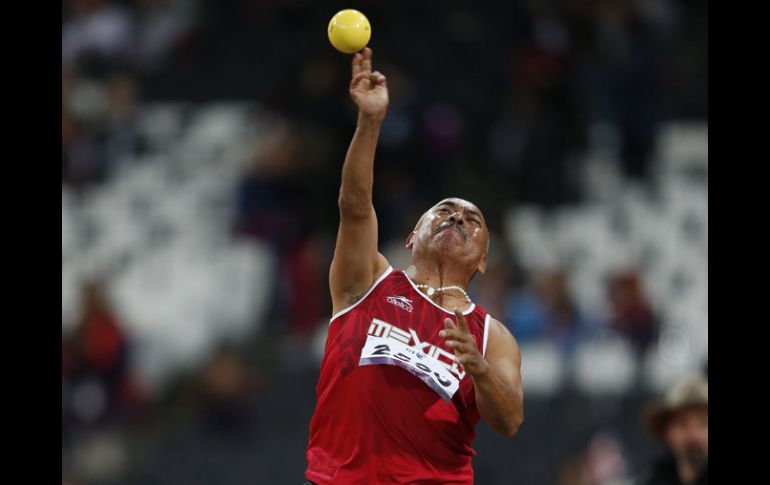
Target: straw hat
{"x":692,"y":392}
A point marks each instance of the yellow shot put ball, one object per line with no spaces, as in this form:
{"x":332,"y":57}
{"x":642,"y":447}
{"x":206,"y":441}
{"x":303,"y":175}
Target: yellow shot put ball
{"x":349,"y":31}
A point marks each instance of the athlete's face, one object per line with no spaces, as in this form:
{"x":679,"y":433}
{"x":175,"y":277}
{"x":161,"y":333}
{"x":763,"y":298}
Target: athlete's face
{"x":453,"y":226}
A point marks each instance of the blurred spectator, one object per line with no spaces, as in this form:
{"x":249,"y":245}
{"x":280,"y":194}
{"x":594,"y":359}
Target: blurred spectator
{"x":491,"y":291}
{"x":442,"y":129}
{"x":681,"y":423}
{"x":229,"y":392}
{"x":601,"y":463}
{"x":605,"y":462}
{"x":269,"y":209}
{"x":82,"y":161}
{"x":121,"y":133}
{"x":398,"y":127}
{"x":98,"y":35}
{"x":539,"y":126}
{"x":96,"y":383}
{"x":99,"y":126}
{"x":573,"y":471}
{"x":548,"y":311}
{"x":305,"y":290}
{"x":630,"y":311}
{"x":318,"y":81}
{"x":161,"y":27}
{"x":268,"y":192}
{"x":622,"y":71}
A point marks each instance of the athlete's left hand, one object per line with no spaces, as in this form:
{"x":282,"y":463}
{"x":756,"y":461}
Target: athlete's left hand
{"x":461,"y":340}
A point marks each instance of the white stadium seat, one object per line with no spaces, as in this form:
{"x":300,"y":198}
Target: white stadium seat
{"x":542,"y":369}
{"x":604,"y":366}
{"x":158,"y":231}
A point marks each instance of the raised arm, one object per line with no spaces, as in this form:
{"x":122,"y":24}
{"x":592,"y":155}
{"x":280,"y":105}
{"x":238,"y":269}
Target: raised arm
{"x":357,"y":261}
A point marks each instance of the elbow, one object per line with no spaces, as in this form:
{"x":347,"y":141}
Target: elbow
{"x":512,"y":426}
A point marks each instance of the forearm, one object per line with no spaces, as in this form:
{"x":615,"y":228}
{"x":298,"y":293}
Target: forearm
{"x":499,"y":404}
{"x":358,"y":169}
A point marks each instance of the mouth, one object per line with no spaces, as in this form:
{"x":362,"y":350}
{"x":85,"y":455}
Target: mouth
{"x":453,"y":227}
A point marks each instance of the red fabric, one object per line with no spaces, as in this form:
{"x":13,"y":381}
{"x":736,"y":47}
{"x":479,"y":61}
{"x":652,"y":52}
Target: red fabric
{"x":102,"y":340}
{"x":305,"y":290}
{"x":379,"y":424}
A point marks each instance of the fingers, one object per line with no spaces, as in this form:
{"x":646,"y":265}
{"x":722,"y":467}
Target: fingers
{"x":366,"y":63}
{"x":456,"y":338}
{"x":452,"y":333}
{"x":464,"y":359}
{"x":362,"y":64}
{"x":460,"y":346}
{"x":358,"y":79}
{"x":356,"y":63}
{"x":377,"y":78}
{"x":374,"y":79}
{"x":461,"y":323}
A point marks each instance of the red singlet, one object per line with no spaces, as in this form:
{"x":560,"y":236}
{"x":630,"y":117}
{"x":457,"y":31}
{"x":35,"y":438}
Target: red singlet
{"x":392,"y":407}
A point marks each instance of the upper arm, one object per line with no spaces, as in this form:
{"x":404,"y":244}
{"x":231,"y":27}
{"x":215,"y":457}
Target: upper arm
{"x":357,"y":262}
{"x":504,"y":356}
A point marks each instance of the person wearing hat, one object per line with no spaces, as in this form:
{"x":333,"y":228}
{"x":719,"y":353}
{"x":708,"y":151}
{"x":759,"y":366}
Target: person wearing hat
{"x":681,"y":423}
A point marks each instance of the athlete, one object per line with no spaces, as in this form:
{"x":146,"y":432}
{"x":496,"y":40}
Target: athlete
{"x":411,"y":363}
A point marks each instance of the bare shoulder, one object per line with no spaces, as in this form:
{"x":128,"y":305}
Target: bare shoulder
{"x":346,"y":296}
{"x":502,"y":343}
{"x":504,"y":356}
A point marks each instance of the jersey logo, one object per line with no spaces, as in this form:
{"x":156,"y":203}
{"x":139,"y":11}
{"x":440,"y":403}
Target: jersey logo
{"x":402,"y":302}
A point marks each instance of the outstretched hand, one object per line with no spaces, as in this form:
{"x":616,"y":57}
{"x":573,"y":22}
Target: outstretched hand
{"x":368,"y":89}
{"x":460,"y":339}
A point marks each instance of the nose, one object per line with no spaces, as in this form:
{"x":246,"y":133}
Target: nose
{"x":456,"y":218}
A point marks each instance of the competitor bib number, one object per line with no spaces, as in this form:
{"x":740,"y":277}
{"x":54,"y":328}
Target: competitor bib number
{"x":387,"y":351}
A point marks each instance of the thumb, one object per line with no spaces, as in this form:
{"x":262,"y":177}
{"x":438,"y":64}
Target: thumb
{"x":448,"y":323}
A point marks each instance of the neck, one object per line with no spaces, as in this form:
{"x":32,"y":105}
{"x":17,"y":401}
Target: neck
{"x":436,"y":275}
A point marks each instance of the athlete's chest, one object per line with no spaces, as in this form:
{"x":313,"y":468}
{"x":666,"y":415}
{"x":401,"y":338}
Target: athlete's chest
{"x":399,"y":327}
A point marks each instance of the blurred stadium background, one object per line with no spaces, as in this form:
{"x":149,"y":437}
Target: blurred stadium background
{"x":202,"y":143}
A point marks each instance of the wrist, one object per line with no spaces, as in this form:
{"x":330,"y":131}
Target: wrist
{"x":370,"y":120}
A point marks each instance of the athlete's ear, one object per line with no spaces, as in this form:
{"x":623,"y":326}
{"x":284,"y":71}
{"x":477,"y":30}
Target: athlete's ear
{"x":410,"y":241}
{"x":483,"y":264}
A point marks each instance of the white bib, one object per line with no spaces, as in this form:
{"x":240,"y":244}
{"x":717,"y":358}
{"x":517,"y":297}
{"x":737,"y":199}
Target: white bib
{"x":388,"y":351}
